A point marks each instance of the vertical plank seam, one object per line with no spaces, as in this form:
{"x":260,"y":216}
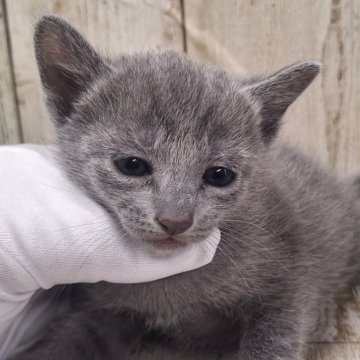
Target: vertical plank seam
{"x":183,"y":26}
{"x":12,"y":71}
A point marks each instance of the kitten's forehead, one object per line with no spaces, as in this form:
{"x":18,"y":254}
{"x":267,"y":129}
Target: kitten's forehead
{"x":168,"y":100}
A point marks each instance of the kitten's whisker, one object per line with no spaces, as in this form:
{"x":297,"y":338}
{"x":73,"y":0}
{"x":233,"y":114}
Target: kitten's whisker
{"x":271,"y":255}
{"x":93,"y":252}
{"x":226,"y":253}
{"x":229,"y":232}
{"x":99,"y":221}
{"x":61,"y":289}
{"x":94,"y":237}
{"x":236,"y":265}
{"x":242,"y":233}
{"x":61,"y":189}
{"x":255,"y":225}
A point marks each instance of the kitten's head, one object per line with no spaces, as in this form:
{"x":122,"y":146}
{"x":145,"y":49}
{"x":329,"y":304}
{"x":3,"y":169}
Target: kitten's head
{"x":168,"y":145}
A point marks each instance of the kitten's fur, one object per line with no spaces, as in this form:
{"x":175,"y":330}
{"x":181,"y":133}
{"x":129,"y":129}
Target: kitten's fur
{"x":290,"y":232}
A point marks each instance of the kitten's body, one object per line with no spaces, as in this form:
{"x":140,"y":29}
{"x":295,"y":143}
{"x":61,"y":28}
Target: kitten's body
{"x":290,"y":252}
{"x":290,"y":232}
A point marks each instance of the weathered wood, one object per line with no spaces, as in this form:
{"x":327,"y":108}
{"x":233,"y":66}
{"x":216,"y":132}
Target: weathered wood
{"x":345,"y":351}
{"x":255,"y":36}
{"x":9,"y":122}
{"x":348,"y":319}
{"x":113,"y":26}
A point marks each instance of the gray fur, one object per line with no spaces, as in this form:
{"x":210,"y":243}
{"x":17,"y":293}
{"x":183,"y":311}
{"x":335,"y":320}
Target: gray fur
{"x":290,"y":231}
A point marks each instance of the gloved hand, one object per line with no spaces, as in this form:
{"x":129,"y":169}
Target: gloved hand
{"x":51,"y":233}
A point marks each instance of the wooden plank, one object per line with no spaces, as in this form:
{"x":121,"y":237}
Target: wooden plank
{"x":112,"y":25}
{"x":340,"y":319}
{"x":345,"y":351}
{"x":348,"y":318}
{"x":254,"y":37}
{"x":9,"y":122}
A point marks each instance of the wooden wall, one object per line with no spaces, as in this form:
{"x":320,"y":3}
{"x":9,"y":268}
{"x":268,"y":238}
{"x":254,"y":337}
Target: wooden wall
{"x":242,"y":36}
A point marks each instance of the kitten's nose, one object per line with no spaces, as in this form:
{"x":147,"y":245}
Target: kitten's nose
{"x":175,"y":225}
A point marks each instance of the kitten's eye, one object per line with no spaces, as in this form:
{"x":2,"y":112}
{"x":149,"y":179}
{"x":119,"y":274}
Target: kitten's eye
{"x":133,"y":166}
{"x":218,"y":176}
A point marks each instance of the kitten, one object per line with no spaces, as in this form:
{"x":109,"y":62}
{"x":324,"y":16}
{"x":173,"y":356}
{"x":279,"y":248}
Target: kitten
{"x":173,"y":148}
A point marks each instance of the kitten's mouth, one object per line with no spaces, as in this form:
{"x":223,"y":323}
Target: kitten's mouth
{"x":167,"y":243}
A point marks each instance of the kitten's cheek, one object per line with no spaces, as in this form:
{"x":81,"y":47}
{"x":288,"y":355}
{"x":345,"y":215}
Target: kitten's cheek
{"x":135,"y":229}
{"x":124,"y":225}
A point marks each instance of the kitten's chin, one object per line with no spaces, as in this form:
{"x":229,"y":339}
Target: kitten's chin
{"x":166,"y":244}
{"x":161,"y":245}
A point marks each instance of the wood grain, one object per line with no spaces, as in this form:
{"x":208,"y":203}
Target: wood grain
{"x":255,"y":37}
{"x":113,"y":26}
{"x":9,"y":122}
{"x":344,"y":351}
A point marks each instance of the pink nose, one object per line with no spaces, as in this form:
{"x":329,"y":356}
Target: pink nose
{"x":175,"y":226}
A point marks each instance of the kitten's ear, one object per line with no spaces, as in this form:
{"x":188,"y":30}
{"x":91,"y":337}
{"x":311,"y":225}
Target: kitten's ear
{"x":276,"y":93}
{"x":67,"y":64}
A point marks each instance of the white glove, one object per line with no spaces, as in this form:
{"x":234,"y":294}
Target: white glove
{"x":51,"y":233}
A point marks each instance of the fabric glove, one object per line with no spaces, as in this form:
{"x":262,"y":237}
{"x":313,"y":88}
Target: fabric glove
{"x":51,"y":233}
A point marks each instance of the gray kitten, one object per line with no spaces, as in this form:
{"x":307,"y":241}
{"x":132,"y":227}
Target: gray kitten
{"x":173,"y":148}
